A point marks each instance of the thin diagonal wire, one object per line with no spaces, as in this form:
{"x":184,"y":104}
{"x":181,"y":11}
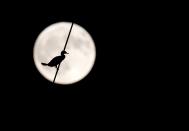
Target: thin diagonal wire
{"x":63,"y":50}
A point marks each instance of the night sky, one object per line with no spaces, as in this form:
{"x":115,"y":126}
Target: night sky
{"x":127,"y":70}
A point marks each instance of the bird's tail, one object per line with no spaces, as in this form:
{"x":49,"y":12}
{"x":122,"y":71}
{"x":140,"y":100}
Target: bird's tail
{"x":44,"y":64}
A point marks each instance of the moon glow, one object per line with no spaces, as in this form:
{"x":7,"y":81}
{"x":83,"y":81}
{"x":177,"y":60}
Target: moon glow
{"x":81,"y":48}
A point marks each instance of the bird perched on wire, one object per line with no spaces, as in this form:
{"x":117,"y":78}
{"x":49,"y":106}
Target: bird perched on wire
{"x":56,"y":60}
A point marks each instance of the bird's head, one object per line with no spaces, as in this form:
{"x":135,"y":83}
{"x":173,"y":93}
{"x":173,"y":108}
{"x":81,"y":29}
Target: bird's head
{"x":64,"y":52}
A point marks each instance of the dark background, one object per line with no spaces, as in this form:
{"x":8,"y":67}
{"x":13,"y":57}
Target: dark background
{"x":131,"y":71}
{"x":134,"y":82}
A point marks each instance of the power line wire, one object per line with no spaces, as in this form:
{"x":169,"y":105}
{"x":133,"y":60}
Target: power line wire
{"x":63,"y":50}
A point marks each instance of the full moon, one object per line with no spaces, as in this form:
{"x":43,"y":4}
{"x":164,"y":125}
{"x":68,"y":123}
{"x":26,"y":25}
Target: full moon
{"x":81,"y":48}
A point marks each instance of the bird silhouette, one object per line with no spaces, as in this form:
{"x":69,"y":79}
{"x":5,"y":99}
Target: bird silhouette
{"x":56,"y":60}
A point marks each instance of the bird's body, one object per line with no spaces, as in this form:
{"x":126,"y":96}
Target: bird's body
{"x":56,"y":60}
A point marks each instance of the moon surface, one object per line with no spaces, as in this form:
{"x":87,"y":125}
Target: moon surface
{"x":81,"y":48}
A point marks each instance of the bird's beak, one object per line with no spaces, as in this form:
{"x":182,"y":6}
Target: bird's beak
{"x":67,"y":53}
